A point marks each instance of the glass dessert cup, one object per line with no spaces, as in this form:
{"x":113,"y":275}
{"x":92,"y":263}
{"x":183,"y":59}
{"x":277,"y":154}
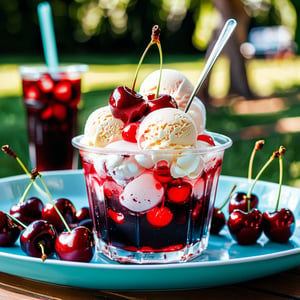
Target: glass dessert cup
{"x":152,"y":206}
{"x":51,"y":101}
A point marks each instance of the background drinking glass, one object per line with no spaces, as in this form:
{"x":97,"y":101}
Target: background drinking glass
{"x":51,"y":101}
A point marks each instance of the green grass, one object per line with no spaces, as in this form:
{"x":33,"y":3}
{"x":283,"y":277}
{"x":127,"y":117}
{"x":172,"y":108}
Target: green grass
{"x":279,"y":78}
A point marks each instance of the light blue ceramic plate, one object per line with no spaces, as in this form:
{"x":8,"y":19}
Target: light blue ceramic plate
{"x":224,"y":262}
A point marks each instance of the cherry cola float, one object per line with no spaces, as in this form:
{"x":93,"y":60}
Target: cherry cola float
{"x":151,"y":170}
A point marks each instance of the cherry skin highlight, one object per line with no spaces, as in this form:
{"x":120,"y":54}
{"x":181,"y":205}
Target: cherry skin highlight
{"x":245,"y":227}
{"x":126,"y":104}
{"x":161,"y":101}
{"x":279,"y":225}
{"x":76,"y":245}
{"x":28,"y":211}
{"x":38,"y":234}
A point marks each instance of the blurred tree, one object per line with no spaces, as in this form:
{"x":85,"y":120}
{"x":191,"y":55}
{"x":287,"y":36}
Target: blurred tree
{"x":296,"y":4}
{"x":238,"y":75}
{"x":114,"y":26}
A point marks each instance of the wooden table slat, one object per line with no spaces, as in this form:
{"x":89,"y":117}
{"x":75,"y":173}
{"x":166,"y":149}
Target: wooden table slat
{"x":284,"y":285}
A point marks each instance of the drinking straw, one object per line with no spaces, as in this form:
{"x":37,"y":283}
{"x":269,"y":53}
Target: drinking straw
{"x":48,"y":36}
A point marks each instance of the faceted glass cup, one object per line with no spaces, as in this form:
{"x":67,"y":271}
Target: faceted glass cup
{"x":152,"y":206}
{"x":51,"y":101}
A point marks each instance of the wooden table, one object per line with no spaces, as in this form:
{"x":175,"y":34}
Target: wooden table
{"x":285,"y":285}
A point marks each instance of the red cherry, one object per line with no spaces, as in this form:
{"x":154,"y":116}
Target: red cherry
{"x":162,"y":172}
{"x":206,"y":138}
{"x":127,"y":105}
{"x":59,"y":112}
{"x":38,"y":233}
{"x":159,"y":216}
{"x":245,"y":227}
{"x":179,"y":192}
{"x":47,"y":113}
{"x":46,"y":83}
{"x":116,"y":216}
{"x":76,"y":245}
{"x":218,"y":221}
{"x":67,"y":210}
{"x":129,"y":131}
{"x":239,"y":200}
{"x":9,"y":232}
{"x":63,"y":91}
{"x":82,"y":214}
{"x":32,"y":93}
{"x":162,"y":101}
{"x":28,"y":211}
{"x":279,"y":226}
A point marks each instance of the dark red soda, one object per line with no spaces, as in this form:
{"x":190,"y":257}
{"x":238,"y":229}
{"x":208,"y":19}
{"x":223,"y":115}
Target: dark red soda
{"x":51,"y":102}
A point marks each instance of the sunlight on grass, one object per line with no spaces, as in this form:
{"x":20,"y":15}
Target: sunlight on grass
{"x":267,"y":75}
{"x":10,"y":80}
{"x":264,"y":76}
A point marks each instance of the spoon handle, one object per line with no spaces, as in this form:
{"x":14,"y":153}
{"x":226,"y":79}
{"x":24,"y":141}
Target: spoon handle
{"x":219,"y":45}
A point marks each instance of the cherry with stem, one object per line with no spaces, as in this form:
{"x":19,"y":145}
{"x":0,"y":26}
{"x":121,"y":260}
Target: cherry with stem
{"x":279,"y":225}
{"x":37,"y":239}
{"x":246,"y":226}
{"x":240,"y":200}
{"x":127,"y":105}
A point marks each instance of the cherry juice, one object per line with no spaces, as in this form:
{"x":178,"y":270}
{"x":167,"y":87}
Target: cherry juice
{"x":51,"y":102}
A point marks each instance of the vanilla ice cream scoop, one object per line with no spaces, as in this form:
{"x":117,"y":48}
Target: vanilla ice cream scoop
{"x":102,"y":128}
{"x":142,"y":194}
{"x":180,"y":88}
{"x":172,"y":82}
{"x":167,"y":128}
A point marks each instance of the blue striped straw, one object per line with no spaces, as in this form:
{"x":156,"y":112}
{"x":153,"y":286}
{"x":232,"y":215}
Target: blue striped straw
{"x":48,"y":36}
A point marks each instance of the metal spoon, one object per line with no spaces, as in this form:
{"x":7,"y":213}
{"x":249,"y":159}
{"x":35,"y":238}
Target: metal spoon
{"x":218,"y":47}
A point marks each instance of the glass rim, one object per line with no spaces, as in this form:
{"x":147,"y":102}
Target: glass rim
{"x":34,"y":69}
{"x":223,"y":142}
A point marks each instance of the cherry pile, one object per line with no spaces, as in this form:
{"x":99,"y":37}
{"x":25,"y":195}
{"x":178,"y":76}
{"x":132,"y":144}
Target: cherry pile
{"x":47,"y":229}
{"x":246,"y":222}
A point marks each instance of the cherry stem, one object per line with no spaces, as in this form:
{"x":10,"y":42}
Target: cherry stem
{"x":281,"y":153}
{"x":139,"y":65}
{"x":16,"y":221}
{"x":228,"y":197}
{"x":9,"y":151}
{"x":53,"y":203}
{"x":33,"y":177}
{"x":274,"y":155}
{"x":258,"y":146}
{"x":154,"y":40}
{"x":160,"y":68}
{"x":22,"y":199}
{"x":42,"y":246}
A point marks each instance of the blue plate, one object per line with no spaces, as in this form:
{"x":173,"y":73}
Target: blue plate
{"x":224,"y":262}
